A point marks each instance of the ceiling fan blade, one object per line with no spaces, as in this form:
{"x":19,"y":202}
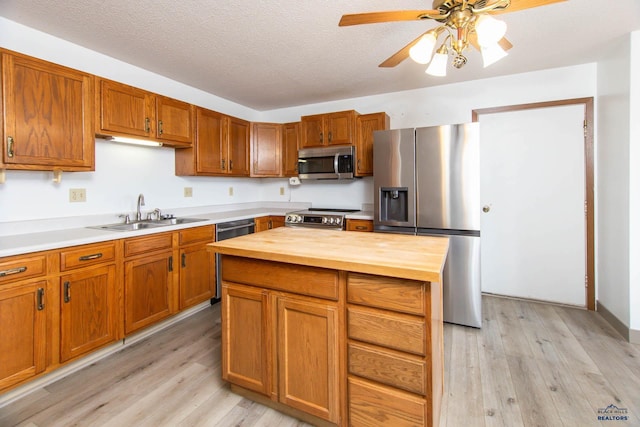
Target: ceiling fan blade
{"x":503,"y":43}
{"x":400,"y":55}
{"x":517,"y":5}
{"x":376,"y":17}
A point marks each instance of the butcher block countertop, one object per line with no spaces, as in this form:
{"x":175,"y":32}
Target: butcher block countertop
{"x":395,"y":255}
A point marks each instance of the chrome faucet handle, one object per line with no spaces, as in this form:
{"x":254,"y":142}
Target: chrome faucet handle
{"x":156,"y":212}
{"x":126,"y":217}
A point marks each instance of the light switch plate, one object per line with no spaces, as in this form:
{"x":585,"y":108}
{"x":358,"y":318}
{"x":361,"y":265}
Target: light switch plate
{"x":231,"y":191}
{"x":188,"y":191}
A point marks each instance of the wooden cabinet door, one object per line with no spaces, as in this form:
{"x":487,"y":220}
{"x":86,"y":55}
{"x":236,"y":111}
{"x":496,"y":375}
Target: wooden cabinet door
{"x":175,"y":121}
{"x":308,"y":357}
{"x":339,"y":128}
{"x":266,"y":149}
{"x":262,"y":223}
{"x":210,"y":145}
{"x":277,"y":221}
{"x":23,"y":324}
{"x":88,"y":301}
{"x":245,"y":337}
{"x":148,"y":289}
{"x":366,"y":124}
{"x":124,"y":110}
{"x":290,"y":137}
{"x":312,"y":130}
{"x":197,"y":275}
{"x":48,"y":117}
{"x":238,"y":143}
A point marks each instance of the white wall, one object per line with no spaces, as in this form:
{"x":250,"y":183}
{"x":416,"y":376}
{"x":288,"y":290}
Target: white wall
{"x":634,"y":183}
{"x":613,"y":180}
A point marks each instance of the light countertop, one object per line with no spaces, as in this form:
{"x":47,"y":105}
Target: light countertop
{"x":395,"y":255}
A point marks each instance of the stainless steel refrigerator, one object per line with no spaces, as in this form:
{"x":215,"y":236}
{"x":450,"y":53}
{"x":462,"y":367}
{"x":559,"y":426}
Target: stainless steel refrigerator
{"x":426,"y":182}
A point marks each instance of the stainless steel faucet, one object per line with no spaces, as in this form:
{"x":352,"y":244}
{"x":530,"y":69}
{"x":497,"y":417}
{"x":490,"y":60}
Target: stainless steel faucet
{"x":138,"y":211}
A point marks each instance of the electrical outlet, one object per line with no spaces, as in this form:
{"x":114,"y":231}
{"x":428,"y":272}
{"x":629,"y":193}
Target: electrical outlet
{"x":231,"y":191}
{"x":77,"y":195}
{"x":282,"y":191}
{"x":188,"y":192}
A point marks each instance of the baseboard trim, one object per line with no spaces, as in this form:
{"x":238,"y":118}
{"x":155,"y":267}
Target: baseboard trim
{"x":68,"y":369}
{"x":616,"y":323}
{"x":634,"y":336}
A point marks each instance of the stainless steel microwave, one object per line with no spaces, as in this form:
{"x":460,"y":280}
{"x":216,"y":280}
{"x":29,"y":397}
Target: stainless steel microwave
{"x":326,"y":162}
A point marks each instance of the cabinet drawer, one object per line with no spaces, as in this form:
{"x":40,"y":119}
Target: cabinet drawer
{"x":82,"y":256}
{"x":143,"y":245}
{"x":395,"y":369}
{"x":196,"y":234}
{"x":298,"y":279}
{"x":19,"y":268}
{"x":407,"y":296}
{"x":370,"y":403}
{"x":359,"y":225}
{"x":387,"y":329}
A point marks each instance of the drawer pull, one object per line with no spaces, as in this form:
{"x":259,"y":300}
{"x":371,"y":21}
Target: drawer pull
{"x":90,"y":257}
{"x":40,"y":302}
{"x":13,"y":271}
{"x":67,"y":291}
{"x":361,"y":227}
{"x":184,"y":260}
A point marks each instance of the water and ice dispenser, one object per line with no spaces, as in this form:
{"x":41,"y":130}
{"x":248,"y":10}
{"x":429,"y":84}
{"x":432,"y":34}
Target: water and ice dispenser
{"x":394,"y":204}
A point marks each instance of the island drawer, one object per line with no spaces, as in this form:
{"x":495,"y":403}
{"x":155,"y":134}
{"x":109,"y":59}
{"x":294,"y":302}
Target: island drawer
{"x":369,"y":403}
{"x":298,"y":279}
{"x":197,"y":234}
{"x":396,"y":369}
{"x":146,"y":244}
{"x":406,"y":296}
{"x":22,"y":267}
{"x":82,"y":256}
{"x":393,"y":330}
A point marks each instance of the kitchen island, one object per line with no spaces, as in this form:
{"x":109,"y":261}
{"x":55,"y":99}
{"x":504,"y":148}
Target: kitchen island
{"x":335,"y":328}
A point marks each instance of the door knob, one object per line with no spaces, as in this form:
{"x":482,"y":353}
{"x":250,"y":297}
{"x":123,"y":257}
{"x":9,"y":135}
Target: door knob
{"x":486,"y":208}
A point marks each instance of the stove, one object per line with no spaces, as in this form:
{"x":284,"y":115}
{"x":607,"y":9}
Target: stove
{"x":323,"y":218}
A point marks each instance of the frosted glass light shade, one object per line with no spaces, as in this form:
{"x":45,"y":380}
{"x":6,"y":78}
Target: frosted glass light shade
{"x":492,"y":54}
{"x":421,"y":51}
{"x":438,"y":66}
{"x":489,"y":30}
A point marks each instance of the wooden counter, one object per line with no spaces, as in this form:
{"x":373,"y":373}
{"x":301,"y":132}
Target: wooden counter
{"x":335,"y":328}
{"x":395,"y":255}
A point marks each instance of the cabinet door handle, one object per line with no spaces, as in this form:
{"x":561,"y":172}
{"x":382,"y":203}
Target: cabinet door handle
{"x":90,"y":257}
{"x":184,"y":260}
{"x":147,"y":125}
{"x":67,"y":291}
{"x":171,"y":263}
{"x":270,"y":225}
{"x":40,"y":300}
{"x":160,"y":130}
{"x":230,"y":165}
{"x":9,"y":146}
{"x":330,"y":137}
{"x":11,"y":271}
{"x":361,"y":227}
{"x":321,"y":137}
{"x":222,"y":164}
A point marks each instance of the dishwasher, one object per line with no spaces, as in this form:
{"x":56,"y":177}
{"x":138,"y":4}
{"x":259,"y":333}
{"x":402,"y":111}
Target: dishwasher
{"x":229,"y":230}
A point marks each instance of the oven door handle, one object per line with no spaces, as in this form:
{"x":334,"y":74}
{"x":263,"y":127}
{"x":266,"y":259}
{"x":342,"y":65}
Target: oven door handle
{"x":222,"y":230}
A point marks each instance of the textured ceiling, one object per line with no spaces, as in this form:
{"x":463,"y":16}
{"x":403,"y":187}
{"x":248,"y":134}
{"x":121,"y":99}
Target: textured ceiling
{"x":278,"y":53}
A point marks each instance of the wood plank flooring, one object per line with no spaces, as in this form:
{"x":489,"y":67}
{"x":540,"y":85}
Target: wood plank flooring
{"x":531,"y":364}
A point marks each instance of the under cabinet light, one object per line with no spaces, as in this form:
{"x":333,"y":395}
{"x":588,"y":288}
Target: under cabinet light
{"x":135,"y":141}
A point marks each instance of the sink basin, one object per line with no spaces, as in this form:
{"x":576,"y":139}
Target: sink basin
{"x":142,"y":225}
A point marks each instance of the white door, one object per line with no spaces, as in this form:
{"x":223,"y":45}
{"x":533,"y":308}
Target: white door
{"x":533,"y":185}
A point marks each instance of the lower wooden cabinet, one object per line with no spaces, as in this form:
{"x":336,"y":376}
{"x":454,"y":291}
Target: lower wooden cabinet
{"x":359,"y":225}
{"x":268,"y":222}
{"x":23,"y":322}
{"x":88,"y":311}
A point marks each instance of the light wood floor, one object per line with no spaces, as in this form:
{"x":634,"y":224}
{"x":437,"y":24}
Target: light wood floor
{"x":530,"y":365}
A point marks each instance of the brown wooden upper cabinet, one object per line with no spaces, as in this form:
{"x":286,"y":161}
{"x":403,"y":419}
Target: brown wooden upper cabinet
{"x":48,"y":116}
{"x":129,"y":111}
{"x":221,"y":147}
{"x":266,"y":149}
{"x":290,"y":144}
{"x":366,"y":125}
{"x":328,"y":129}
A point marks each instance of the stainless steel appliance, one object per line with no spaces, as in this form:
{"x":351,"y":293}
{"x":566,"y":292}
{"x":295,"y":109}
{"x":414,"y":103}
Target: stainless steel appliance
{"x":426,"y":182}
{"x":229,"y":230}
{"x":323,"y":218}
{"x":326,"y":162}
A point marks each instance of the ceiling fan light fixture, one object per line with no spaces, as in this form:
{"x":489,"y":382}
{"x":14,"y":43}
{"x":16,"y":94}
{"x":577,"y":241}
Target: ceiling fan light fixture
{"x":421,"y":52}
{"x":438,"y":66}
{"x":491,"y":54}
{"x":489,"y":30}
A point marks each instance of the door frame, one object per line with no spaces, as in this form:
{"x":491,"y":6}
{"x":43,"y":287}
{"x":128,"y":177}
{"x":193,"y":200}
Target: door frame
{"x":590,"y":294}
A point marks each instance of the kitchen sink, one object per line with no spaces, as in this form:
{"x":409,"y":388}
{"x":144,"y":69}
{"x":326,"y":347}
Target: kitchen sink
{"x":143,"y":225}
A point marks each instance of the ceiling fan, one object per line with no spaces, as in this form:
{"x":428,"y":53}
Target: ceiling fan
{"x":464,"y":23}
